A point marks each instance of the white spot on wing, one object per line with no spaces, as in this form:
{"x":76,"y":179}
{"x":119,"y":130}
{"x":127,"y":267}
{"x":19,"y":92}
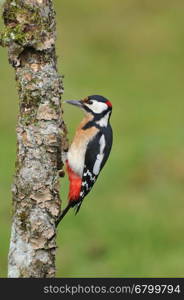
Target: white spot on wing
{"x":100,"y":156}
{"x":84,"y":184}
{"x":82,"y":193}
{"x":88,"y":173}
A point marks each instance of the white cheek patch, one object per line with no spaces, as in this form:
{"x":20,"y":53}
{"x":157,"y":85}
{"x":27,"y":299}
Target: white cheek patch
{"x":97,"y":107}
{"x":100,"y":156}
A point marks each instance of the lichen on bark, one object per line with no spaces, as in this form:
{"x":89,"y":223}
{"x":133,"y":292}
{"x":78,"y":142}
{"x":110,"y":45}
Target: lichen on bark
{"x":30,"y":37}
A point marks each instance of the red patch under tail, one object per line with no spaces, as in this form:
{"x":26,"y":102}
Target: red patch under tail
{"x":75,"y":184}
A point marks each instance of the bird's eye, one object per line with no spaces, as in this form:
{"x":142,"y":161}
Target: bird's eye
{"x":90,"y":102}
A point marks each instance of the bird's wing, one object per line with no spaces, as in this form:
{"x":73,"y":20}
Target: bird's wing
{"x":96,"y":155}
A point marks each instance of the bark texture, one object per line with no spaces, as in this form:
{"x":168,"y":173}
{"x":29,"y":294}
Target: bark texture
{"x":41,"y":136}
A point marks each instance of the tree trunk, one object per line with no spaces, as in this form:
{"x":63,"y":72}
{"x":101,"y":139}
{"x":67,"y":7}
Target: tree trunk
{"x":41,"y":136}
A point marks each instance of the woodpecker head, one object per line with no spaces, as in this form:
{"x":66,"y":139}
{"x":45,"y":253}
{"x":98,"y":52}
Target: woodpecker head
{"x":98,"y":106}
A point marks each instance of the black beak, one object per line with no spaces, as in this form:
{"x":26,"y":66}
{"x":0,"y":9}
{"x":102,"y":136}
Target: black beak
{"x":75,"y":102}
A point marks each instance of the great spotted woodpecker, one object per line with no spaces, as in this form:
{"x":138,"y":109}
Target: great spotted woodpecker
{"x":89,"y":150}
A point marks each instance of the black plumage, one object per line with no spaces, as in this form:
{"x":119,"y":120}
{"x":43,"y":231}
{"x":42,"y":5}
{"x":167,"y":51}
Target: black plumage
{"x":94,"y":135}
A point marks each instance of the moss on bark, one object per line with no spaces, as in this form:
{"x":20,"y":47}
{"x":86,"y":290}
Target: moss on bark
{"x":29,"y":35}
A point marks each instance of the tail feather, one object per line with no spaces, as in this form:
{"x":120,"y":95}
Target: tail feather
{"x":63,"y":213}
{"x":77,"y":207}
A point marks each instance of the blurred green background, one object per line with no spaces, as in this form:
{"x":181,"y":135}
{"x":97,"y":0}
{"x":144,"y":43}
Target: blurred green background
{"x":132,"y":222}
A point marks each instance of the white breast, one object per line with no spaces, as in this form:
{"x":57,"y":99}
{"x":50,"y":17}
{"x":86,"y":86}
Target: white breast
{"x":77,"y":150}
{"x":76,"y":156}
